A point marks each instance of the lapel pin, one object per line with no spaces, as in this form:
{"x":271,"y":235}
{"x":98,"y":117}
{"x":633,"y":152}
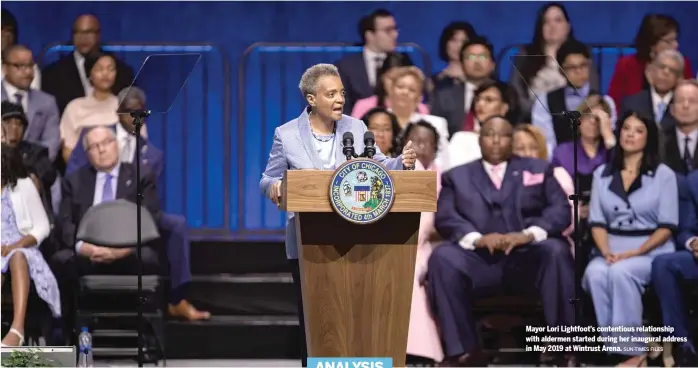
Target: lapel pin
{"x":145,"y":161}
{"x":515,"y":173}
{"x":128,"y":183}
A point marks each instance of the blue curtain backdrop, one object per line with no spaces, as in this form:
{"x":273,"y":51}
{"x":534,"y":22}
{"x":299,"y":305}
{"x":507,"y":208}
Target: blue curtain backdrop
{"x":206,"y":179}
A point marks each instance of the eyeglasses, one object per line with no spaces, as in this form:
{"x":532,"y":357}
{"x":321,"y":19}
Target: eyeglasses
{"x":574,"y":68}
{"x":86,"y":32}
{"x":22,"y":66}
{"x":102,"y":144}
{"x":477,"y":57}
{"x":492,"y":134}
{"x":667,"y":68}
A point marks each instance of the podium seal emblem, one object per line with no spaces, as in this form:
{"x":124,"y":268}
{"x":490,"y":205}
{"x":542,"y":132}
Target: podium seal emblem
{"x":362,"y":191}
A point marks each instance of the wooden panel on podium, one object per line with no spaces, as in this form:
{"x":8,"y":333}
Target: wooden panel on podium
{"x":357,"y":279}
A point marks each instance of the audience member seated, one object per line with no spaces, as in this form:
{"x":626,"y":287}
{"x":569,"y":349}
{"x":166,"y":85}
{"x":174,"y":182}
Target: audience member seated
{"x":406,"y":86}
{"x":175,"y":233}
{"x":97,"y":108}
{"x":10,"y":29}
{"x":106,"y":179}
{"x":491,"y":98}
{"x":502,"y":220}
{"x":596,"y":138}
{"x":680,"y":143}
{"x":454,"y":103}
{"x":42,"y":114}
{"x":34,"y":156}
{"x":379,"y":33}
{"x":383,"y":124}
{"x":575,"y":59}
{"x":537,"y":75}
{"x":69,"y":78}
{"x":671,"y":272}
{"x":529,"y":142}
{"x":24,"y":227}
{"x":664,"y":73}
{"x":423,"y":337}
{"x":453,"y":36}
{"x":633,"y":210}
{"x":657,"y":33}
{"x":381,"y":98}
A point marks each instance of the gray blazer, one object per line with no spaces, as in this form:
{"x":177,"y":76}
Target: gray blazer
{"x":43,"y":117}
{"x":293,"y":149}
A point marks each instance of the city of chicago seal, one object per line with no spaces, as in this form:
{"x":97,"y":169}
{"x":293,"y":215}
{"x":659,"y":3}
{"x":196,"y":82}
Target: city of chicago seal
{"x":362,"y":191}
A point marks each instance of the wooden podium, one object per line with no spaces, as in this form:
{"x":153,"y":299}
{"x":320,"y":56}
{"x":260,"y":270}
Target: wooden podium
{"x":357,"y":279}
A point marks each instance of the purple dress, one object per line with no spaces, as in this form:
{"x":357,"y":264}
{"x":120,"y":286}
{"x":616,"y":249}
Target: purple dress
{"x":44,"y":280}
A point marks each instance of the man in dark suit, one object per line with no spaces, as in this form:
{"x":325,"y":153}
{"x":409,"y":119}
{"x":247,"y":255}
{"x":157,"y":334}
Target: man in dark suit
{"x":359,"y":71}
{"x":501,"y":219}
{"x":454,"y":103}
{"x":670,"y":272}
{"x":40,"y":107}
{"x":66,"y":79}
{"x":680,"y":143}
{"x":664,"y":73}
{"x":104,"y":180}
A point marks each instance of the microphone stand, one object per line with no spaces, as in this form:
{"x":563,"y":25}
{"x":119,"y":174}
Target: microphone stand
{"x":138,"y":116}
{"x":574,"y":117}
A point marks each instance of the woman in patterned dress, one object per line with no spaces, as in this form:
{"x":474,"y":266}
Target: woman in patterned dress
{"x":24,"y":226}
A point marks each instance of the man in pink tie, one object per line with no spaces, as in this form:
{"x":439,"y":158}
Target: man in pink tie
{"x":501,"y":219}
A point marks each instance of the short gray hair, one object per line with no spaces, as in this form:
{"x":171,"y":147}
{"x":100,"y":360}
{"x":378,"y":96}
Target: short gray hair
{"x":309,"y":80}
{"x":671,"y":54}
{"x":131,"y":92}
{"x":85,"y":143}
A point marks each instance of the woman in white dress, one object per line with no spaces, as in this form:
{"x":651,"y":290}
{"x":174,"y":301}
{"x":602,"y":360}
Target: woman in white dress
{"x":24,"y":226}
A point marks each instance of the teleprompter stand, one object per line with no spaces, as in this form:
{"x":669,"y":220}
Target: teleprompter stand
{"x":160,"y":79}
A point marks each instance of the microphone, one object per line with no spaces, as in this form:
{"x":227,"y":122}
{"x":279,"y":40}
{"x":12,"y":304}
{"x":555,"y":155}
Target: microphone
{"x":348,"y":143}
{"x":370,"y":144}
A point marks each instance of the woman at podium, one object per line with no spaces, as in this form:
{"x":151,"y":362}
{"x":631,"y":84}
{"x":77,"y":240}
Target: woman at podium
{"x":311,"y":142}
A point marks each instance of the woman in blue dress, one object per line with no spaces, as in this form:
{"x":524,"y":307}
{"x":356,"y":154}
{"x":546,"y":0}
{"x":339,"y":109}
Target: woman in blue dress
{"x":24,"y":226}
{"x":633,"y":211}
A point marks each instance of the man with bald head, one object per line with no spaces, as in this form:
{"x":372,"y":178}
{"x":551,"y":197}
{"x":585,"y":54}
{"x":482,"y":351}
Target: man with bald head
{"x":501,"y":219}
{"x":66,"y":78}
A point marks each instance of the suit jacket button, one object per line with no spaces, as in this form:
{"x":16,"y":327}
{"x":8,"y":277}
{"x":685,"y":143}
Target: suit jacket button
{"x":630,"y":221}
{"x":615,"y":208}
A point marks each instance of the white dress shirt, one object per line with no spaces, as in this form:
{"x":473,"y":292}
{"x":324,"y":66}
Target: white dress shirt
{"x":12,"y":93}
{"x":468,"y":241}
{"x":127,"y":144}
{"x":99,"y":191}
{"x":681,"y":140}
{"x":469,"y":94}
{"x":372,"y":65}
{"x":84,"y":78}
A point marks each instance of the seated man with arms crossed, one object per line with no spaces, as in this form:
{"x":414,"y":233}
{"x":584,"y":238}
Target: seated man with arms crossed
{"x":501,"y":219}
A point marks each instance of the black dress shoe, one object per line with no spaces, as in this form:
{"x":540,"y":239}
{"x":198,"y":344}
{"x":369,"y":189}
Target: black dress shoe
{"x":473,"y":359}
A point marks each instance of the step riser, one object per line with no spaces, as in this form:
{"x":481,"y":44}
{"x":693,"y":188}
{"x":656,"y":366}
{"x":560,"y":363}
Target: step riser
{"x":210,"y":258}
{"x":244,"y":298}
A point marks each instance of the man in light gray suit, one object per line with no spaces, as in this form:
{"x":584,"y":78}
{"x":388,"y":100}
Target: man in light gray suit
{"x":42,"y":112}
{"x":311,"y":142}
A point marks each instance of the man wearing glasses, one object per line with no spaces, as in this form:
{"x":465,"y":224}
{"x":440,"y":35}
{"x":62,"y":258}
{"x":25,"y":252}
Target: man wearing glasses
{"x":40,"y":107}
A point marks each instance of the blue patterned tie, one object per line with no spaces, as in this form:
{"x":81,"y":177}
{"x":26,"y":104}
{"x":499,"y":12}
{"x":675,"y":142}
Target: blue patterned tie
{"x":659,"y":115}
{"x":107,"y":191}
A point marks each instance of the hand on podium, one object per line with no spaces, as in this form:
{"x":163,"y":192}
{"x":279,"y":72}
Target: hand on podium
{"x":409,"y":156}
{"x":275,"y":193}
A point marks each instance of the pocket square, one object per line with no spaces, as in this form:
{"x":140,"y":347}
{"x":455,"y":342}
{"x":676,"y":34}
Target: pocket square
{"x":532,"y":179}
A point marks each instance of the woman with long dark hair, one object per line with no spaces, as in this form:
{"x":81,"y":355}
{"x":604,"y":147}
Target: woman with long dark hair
{"x":633,"y":211}
{"x":24,"y":226}
{"x":539,"y":70}
{"x":452,"y":39}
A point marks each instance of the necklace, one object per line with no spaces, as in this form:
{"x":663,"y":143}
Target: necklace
{"x":323,"y":138}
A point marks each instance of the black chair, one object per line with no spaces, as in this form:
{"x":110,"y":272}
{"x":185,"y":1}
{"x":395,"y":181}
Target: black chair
{"x":106,"y":304}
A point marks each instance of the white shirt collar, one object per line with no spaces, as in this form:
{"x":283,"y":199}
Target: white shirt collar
{"x":114,"y":172}
{"x":656,"y":99}
{"x":12,"y":91}
{"x":372,"y":55}
{"x":79,"y":58}
{"x":693,"y":135}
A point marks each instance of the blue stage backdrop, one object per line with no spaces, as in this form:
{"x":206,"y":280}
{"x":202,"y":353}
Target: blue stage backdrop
{"x":215,"y":152}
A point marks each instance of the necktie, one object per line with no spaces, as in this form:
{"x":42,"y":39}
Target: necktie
{"x":469,"y":122}
{"x":496,"y":176}
{"x":379,"y":64}
{"x":126,"y":151}
{"x":107,"y":191}
{"x":687,"y":159}
{"x":659,"y":114}
{"x":18,"y":99}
